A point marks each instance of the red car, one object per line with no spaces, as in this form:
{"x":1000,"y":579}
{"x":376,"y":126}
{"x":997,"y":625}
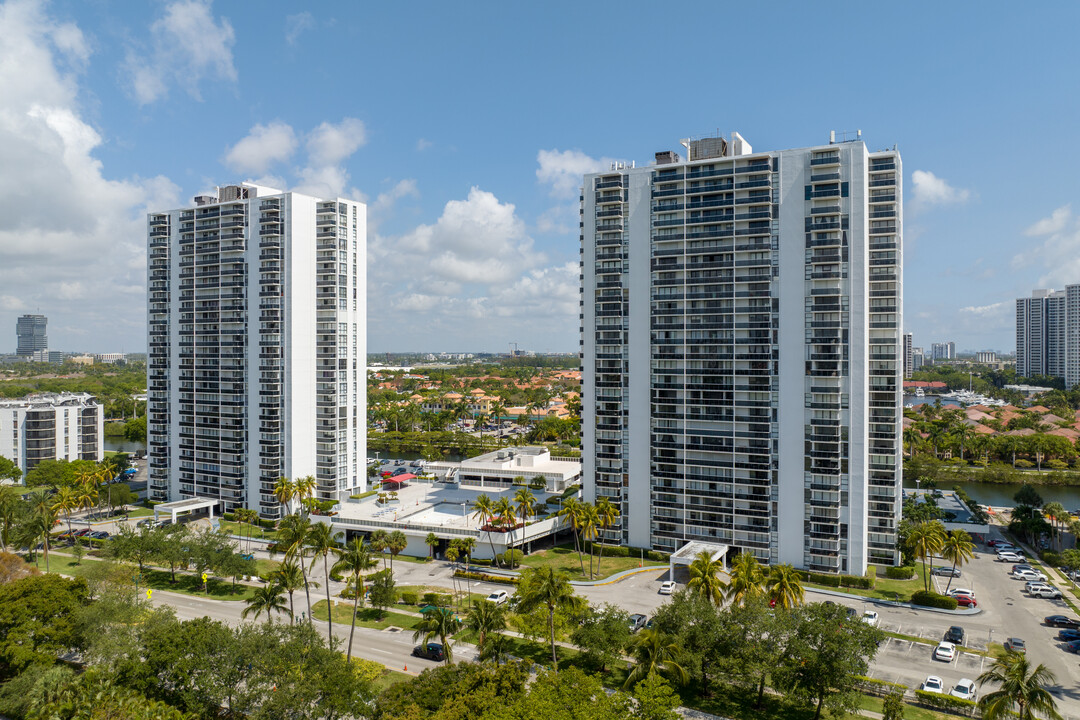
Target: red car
{"x":966,"y":601}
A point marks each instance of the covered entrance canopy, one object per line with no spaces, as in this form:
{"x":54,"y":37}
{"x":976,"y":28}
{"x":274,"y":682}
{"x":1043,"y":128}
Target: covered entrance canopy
{"x":184,"y":506}
{"x":686,"y":554}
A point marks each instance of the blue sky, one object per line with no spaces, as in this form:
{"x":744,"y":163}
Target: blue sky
{"x":466,"y":127}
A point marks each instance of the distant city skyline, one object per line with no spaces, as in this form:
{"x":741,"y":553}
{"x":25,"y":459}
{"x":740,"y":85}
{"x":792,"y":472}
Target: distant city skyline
{"x":473,"y":240}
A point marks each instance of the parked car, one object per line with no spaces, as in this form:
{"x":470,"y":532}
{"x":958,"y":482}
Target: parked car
{"x":82,"y":533}
{"x":1022,"y":566}
{"x":1032,"y":584}
{"x":667,"y":587}
{"x":965,"y":690}
{"x":966,"y":601}
{"x":870,"y":618}
{"x":1029,"y":575}
{"x":498,"y":597}
{"x":1061,"y":621}
{"x":1072,"y":646}
{"x":1015,"y":645}
{"x":946,"y":571}
{"x":1068,"y":635}
{"x":431,"y":651}
{"x":1009,"y":557}
{"x":945,"y":651}
{"x":933,"y":684}
{"x":1046,"y":591}
{"x":961,"y":591}
{"x":637,"y":621}
{"x":955,"y":634}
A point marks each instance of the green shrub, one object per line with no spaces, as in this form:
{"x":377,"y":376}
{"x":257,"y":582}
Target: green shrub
{"x":431,"y":598}
{"x":228,"y":516}
{"x":863,"y":582}
{"x":505,"y":580}
{"x":1024,"y":464}
{"x":905,"y":572}
{"x":932,"y":599}
{"x":511,"y":557}
{"x":363,"y":495}
{"x":939,"y":701}
{"x":1050,"y":557}
{"x":823,"y":579}
{"x":410,"y":598}
{"x":873,"y":686}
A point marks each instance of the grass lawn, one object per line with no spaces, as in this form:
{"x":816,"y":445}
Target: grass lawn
{"x":365,"y":617}
{"x":884,"y":588}
{"x":265,"y":566}
{"x":391,"y":677}
{"x":565,"y":558}
{"x":245,"y":530}
{"x":136,"y":511}
{"x":420,"y":590}
{"x":869,"y":702}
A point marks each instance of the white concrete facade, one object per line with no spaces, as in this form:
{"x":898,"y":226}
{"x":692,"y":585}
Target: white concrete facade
{"x":51,"y":426}
{"x":257,"y":346}
{"x":742,"y":351}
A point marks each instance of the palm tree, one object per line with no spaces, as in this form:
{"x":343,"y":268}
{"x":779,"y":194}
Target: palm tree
{"x":378,"y":540}
{"x":497,"y":648}
{"x":322,"y":540}
{"x":524,"y":500}
{"x":507,"y":519}
{"x":571,"y":510}
{"x":290,"y":576}
{"x":66,"y":500}
{"x":467,"y":546}
{"x":396,"y":542}
{"x":546,"y":587}
{"x":590,"y":528}
{"x":432,"y":541}
{"x":304,"y":488}
{"x":939,"y":433}
{"x":283,"y":492}
{"x":438,"y":623}
{"x":746,"y":578}
{"x":354,"y":560}
{"x":293,"y":534}
{"x":705,"y":577}
{"x":267,"y":598}
{"x":42,"y":518}
{"x":607,"y":514}
{"x":1022,"y":693}
{"x":654,"y":653}
{"x":957,"y":548}
{"x":105,"y":474}
{"x":9,"y":504}
{"x":784,"y":586}
{"x":926,"y":539}
{"x":484,"y":510}
{"x":484,"y":618}
{"x":1056,"y":512}
{"x":912,"y":436}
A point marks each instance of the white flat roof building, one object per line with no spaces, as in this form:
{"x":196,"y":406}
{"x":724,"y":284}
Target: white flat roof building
{"x":499,"y":468}
{"x":51,"y":426}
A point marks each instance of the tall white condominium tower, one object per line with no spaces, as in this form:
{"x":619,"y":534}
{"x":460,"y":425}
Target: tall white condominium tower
{"x":741,"y":339}
{"x":1040,"y":333}
{"x":257,"y":347}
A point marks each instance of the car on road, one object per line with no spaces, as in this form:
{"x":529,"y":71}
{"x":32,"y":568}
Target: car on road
{"x":1072,"y":646}
{"x":955,"y":634}
{"x":965,"y":690}
{"x":1015,"y":645}
{"x":1009,"y":557}
{"x":431,"y":651}
{"x":1061,"y":621}
{"x":1068,"y":635}
{"x":870,"y":618}
{"x":946,"y":571}
{"x":498,"y":597}
{"x":1046,"y":591}
{"x":637,"y":621}
{"x":933,"y":684}
{"x":945,"y":651}
{"x":966,"y":601}
{"x":667,"y":587}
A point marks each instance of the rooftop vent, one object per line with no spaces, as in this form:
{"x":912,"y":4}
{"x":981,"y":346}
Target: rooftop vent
{"x":201,"y":200}
{"x":667,"y":157}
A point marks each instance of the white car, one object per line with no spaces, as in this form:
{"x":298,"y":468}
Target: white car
{"x":498,"y":597}
{"x":961,"y":591}
{"x":965,"y":690}
{"x":668,"y":586}
{"x":933,"y":684}
{"x":1046,"y":591}
{"x":1034,"y":585}
{"x":1029,"y":575}
{"x":1009,"y":557}
{"x":870,"y":618}
{"x":945,"y":651}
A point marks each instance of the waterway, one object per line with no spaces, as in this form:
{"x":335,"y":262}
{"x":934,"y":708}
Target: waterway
{"x":916,"y":401}
{"x":119,"y":444}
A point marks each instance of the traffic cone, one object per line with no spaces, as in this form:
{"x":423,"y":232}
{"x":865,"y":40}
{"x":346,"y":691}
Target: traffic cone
{"x":406,"y":668}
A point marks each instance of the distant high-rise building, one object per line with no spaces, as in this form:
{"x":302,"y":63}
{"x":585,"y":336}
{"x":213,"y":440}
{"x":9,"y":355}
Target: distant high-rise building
{"x":742,"y":353}
{"x":918,"y":357}
{"x":942,"y":351}
{"x":257,"y":347}
{"x":908,"y":356}
{"x":51,"y":426}
{"x":1048,"y":334}
{"x":986,"y":356}
{"x":30,"y":331}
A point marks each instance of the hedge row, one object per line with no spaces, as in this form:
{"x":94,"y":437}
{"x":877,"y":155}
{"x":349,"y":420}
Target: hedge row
{"x":948,"y":703}
{"x":621,"y":551}
{"x":932,"y":599}
{"x":905,"y":572}
{"x":487,"y":578}
{"x":262,"y":522}
{"x":880,"y":688}
{"x":850,"y":581}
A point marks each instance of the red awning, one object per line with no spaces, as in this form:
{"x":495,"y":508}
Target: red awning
{"x":399,"y":479}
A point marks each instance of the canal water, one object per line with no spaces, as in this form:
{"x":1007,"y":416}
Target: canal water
{"x":119,"y":444}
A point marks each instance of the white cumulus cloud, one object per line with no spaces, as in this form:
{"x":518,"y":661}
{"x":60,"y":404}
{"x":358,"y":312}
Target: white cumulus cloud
{"x":295,"y":25}
{"x":929,"y":189}
{"x":263,"y":146}
{"x":186,"y":45}
{"x":1053,"y":224}
{"x":564,"y":170}
{"x":987,"y":310}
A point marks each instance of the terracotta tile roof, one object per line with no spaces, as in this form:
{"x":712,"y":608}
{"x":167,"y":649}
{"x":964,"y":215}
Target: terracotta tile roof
{"x":1022,"y":432}
{"x":1065,"y":433}
{"x":1039,"y":409}
{"x":983,"y":430}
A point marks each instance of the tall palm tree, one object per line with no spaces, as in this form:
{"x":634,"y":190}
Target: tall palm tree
{"x":283,"y":492}
{"x":590,"y":528}
{"x":607,"y":514}
{"x":963,"y":433}
{"x":549,"y":588}
{"x":497,"y":648}
{"x":267,"y":598}
{"x":379,"y":540}
{"x":304,"y":488}
{"x":1056,"y":512}
{"x":912,"y":436}
{"x":939,"y":433}
{"x":571,"y":510}
{"x":1022,"y":693}
{"x":746,"y":578}
{"x":9,"y":504}
{"x":396,"y":542}
{"x":484,"y":510}
{"x":66,"y":500}
{"x":705,"y":577}
{"x":290,"y":576}
{"x":654,"y":653}
{"x":467,"y":546}
{"x":322,"y":540}
{"x":293,"y":534}
{"x":525,"y":502}
{"x":42,"y":517}
{"x":354,"y":560}
{"x":485,"y":618}
{"x":432,"y":541}
{"x":439,"y":623}
{"x":926,"y":539}
{"x":507,"y":519}
{"x":957,"y":548}
{"x":783,"y":586}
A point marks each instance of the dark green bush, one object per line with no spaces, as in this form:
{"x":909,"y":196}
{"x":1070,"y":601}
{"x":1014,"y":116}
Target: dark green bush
{"x":823,"y":579}
{"x":863,"y":582}
{"x":932,"y":599}
{"x":1050,"y":557}
{"x":873,"y":686}
{"x":486,"y":578}
{"x":905,"y":572}
{"x":948,"y":703}
{"x":410,"y":598}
